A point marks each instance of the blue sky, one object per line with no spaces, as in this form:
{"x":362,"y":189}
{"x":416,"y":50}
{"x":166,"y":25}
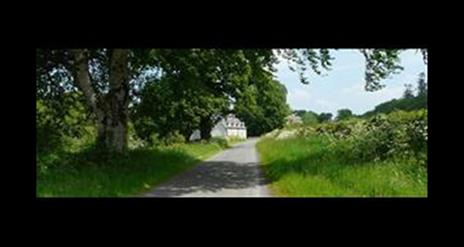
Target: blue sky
{"x":343,"y":86}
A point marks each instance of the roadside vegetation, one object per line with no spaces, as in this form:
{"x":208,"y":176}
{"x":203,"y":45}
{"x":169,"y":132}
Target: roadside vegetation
{"x":116,"y":122}
{"x":80,"y":169}
{"x":381,"y":155}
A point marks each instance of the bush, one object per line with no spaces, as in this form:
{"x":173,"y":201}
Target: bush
{"x":48,"y":136}
{"x":173,"y":138}
{"x":382,"y":155}
{"x":378,"y":138}
{"x":59,"y":119}
{"x":222,"y":142}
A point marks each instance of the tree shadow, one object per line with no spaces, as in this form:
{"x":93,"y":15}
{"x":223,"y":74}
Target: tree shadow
{"x":212,"y":176}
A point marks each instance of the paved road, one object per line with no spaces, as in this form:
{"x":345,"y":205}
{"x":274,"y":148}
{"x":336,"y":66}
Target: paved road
{"x":234,"y":172}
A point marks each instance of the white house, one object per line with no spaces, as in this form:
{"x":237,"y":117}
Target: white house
{"x":226,"y":127}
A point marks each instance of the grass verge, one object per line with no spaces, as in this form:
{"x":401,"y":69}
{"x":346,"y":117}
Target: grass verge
{"x":307,"y":167}
{"x":84,"y":174}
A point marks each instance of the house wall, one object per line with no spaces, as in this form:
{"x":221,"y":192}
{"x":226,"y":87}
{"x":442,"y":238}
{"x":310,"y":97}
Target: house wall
{"x":237,"y":132}
{"x":195,"y":135}
{"x":219,"y":130}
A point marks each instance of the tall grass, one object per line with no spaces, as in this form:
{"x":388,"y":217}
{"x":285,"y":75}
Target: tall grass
{"x":350,"y":159}
{"x":304,"y":167}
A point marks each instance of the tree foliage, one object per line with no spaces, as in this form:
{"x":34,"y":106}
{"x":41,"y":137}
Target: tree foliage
{"x":166,"y":108}
{"x":308,"y":117}
{"x":421,"y":85}
{"x":263,"y":106}
{"x":408,"y":91}
{"x":324,"y":117}
{"x":112,"y":81}
{"x":408,"y":102}
{"x":343,"y":114}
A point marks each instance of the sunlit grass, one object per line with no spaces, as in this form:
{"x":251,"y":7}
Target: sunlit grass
{"x":306,"y":167}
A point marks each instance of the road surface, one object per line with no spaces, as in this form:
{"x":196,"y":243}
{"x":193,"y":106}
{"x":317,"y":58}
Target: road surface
{"x":234,"y":172}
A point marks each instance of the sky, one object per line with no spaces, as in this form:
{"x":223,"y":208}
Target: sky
{"x":343,"y":86}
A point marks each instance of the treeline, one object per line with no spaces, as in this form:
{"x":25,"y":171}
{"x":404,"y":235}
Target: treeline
{"x":311,"y":118}
{"x":164,"y":93}
{"x":412,"y":99}
{"x":169,"y":107}
{"x":154,"y":95}
{"x":409,"y":102}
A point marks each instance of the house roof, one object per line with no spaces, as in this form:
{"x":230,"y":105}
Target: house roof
{"x":233,"y":122}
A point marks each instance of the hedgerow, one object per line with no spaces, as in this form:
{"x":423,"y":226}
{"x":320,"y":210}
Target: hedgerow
{"x":397,"y":135}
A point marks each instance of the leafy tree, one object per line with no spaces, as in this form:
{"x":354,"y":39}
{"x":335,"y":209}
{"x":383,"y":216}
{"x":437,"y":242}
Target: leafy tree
{"x":111,"y":79}
{"x":344,"y":114}
{"x":53,"y":121}
{"x":169,"y":106}
{"x":421,"y":85}
{"x":408,"y":102}
{"x":263,"y":106}
{"x":212,"y":76}
{"x":102,"y":76}
{"x":299,"y":113}
{"x":308,"y":117}
{"x":408,"y":92}
{"x":380,"y":63}
{"x":324,"y":117}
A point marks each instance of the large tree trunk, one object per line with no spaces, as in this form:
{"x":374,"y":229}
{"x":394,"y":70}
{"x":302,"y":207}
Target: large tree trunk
{"x":113,"y":132}
{"x":111,"y":109}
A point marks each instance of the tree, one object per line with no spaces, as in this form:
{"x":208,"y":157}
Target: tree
{"x":299,"y":113}
{"x":344,"y":114}
{"x":421,"y":85}
{"x":111,"y":79}
{"x":111,"y":108}
{"x":55,"y":121}
{"x":103,"y":78}
{"x":324,"y":117}
{"x":408,"y":92}
{"x":168,"y":105}
{"x":308,"y":117}
{"x":380,"y":63}
{"x":215,"y":76}
{"x":263,"y":106}
{"x":408,"y":102}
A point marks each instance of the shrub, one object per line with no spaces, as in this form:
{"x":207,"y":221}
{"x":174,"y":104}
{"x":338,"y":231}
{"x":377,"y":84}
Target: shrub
{"x":222,"y":142}
{"x":174,"y":138}
{"x":378,"y":138}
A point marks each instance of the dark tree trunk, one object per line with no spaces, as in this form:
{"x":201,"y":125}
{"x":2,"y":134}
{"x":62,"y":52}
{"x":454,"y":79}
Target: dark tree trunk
{"x":186,"y":134}
{"x":206,"y":125}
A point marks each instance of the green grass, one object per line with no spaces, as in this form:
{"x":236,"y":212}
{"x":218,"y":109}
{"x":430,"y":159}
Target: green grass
{"x":82,"y":174}
{"x":234,"y":140}
{"x":308,"y":167}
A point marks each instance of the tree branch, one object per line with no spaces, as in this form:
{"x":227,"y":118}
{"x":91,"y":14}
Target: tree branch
{"x":80,"y":72}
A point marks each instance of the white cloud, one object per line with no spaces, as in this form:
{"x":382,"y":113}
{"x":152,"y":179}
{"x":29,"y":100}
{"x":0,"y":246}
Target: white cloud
{"x":298,"y":97}
{"x":344,"y":87}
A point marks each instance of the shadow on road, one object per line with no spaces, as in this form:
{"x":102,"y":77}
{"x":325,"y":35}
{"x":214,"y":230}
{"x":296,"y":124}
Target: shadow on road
{"x":212,"y":176}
